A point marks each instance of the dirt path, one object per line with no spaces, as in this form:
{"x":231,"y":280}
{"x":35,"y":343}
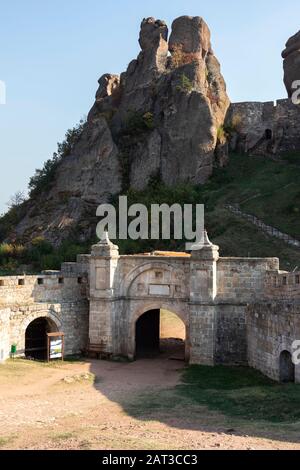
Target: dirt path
{"x":44,"y":407}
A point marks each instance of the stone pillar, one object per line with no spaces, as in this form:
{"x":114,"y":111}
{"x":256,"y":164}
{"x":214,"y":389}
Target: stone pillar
{"x":103,"y":266}
{"x":203,"y":311}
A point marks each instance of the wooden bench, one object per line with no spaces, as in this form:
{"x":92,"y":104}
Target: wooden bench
{"x":97,"y":350}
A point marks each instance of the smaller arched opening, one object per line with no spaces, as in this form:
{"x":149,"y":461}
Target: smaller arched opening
{"x":286,"y":367}
{"x":268,"y":134}
{"x":160,"y":332}
{"x":36,"y":338}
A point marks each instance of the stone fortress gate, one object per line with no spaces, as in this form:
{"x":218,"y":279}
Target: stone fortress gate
{"x":236,"y":311}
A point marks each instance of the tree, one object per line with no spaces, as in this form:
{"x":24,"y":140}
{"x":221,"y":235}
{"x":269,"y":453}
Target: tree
{"x":16,"y":200}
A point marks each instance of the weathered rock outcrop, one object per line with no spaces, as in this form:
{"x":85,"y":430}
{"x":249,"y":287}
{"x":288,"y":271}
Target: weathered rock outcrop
{"x":159,"y":118}
{"x":291,"y":64}
{"x":270,"y":128}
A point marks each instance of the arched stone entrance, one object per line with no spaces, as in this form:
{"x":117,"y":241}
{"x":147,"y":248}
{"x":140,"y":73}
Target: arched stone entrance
{"x":286,"y":367}
{"x":153,"y":336}
{"x":36,"y":337}
{"x":147,"y":334}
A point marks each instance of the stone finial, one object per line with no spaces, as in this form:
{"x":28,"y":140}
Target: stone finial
{"x":205,"y":249}
{"x":105,"y":247}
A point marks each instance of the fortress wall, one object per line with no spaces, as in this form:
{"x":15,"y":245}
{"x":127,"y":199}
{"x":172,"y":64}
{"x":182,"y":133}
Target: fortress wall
{"x":20,"y":290}
{"x":59,"y":297}
{"x":70,"y":317}
{"x":4,"y":334}
{"x":249,"y":121}
{"x":282,"y":285}
{"x":287,"y":116}
{"x":271,"y":329}
{"x":240,"y":280}
{"x":231,"y":335}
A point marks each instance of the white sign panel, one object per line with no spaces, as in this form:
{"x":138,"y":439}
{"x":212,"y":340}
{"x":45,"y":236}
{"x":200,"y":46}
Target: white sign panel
{"x":56,"y":347}
{"x":162,"y":290}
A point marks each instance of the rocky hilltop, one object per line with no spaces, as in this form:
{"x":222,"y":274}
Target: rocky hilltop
{"x":291,"y":63}
{"x":159,"y":119}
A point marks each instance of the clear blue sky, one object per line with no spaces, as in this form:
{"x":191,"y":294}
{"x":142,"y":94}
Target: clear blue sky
{"x":53,"y":52}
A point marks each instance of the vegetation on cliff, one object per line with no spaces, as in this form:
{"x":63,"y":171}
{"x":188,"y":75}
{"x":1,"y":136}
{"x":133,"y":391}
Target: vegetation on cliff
{"x":262,"y":187}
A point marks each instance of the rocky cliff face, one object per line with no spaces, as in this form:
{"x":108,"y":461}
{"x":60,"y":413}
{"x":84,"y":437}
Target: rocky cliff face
{"x":291,"y":64}
{"x":158,"y":119}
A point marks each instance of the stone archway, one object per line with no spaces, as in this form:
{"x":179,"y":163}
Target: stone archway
{"x":36,"y":337}
{"x":147,"y":334}
{"x":286,"y":367}
{"x":145,"y":329}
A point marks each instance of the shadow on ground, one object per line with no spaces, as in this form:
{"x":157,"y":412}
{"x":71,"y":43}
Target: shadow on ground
{"x":232,"y":400}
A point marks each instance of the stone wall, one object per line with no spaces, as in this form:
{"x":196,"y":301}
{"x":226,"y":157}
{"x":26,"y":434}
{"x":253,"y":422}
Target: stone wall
{"x":4,"y":333}
{"x":231,"y":335}
{"x":236,"y":311}
{"x":282,"y":285}
{"x":20,"y":290}
{"x":271,"y":329}
{"x":264,"y":128}
{"x":60,"y":298}
{"x":240,"y":280}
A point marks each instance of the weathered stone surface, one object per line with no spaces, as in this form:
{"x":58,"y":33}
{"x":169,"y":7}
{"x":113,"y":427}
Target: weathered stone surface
{"x":191,"y":34}
{"x":291,"y":64}
{"x":176,"y":87}
{"x":235,"y":310}
{"x":86,"y":177}
{"x":264,"y":129}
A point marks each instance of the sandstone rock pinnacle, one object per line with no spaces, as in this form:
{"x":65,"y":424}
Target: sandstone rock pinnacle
{"x":291,"y":63}
{"x":160,"y":118}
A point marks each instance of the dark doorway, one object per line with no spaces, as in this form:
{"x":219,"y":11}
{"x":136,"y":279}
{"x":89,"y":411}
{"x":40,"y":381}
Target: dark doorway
{"x":287,"y":368}
{"x":268,"y":134}
{"x":36,"y":339}
{"x":147,"y":334}
{"x":160,"y":332}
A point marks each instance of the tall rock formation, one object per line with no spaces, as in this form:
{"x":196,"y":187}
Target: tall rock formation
{"x":291,"y":63}
{"x":158,"y":119}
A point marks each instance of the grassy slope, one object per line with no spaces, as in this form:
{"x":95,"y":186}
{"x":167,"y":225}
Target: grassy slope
{"x":261,"y":186}
{"x":267,"y":189}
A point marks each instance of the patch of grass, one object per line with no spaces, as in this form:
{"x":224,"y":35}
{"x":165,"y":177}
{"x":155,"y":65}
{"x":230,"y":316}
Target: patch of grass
{"x":65,"y":436}
{"x":5,"y":440}
{"x":237,"y":393}
{"x":292,"y":157}
{"x":79,"y":379}
{"x":242,"y":393}
{"x":20,"y":364}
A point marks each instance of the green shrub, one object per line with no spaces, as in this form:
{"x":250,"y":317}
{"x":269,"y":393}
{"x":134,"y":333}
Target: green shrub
{"x":221,"y":134}
{"x":44,"y":177}
{"x":185,"y":85}
{"x":138,"y":123}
